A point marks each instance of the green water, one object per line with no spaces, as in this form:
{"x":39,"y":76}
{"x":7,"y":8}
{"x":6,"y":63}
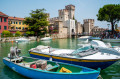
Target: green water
{"x":112,"y":72}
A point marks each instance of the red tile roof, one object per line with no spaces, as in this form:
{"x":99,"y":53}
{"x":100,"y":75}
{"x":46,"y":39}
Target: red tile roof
{"x":15,"y":18}
{"x":2,"y":14}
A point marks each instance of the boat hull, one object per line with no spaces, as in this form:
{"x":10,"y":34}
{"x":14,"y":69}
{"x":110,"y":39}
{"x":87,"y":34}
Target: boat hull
{"x":94,"y":64}
{"x":34,"y":74}
{"x":46,"y":39}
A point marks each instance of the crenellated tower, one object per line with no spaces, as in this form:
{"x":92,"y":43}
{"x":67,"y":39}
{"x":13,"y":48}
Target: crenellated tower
{"x":88,"y":25}
{"x":67,"y":13}
{"x":71,"y":11}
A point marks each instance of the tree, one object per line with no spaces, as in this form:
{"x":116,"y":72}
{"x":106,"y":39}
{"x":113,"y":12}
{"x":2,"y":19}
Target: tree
{"x":30,"y":33}
{"x":17,"y":33}
{"x":110,"y":13}
{"x":5,"y":33}
{"x":37,"y":21}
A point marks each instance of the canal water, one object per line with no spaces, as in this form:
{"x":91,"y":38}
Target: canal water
{"x":112,"y":72}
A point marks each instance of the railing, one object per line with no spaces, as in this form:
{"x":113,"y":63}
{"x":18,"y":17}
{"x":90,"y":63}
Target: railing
{"x":17,"y":30}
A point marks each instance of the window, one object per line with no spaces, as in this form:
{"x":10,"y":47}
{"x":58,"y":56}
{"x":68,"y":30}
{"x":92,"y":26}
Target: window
{"x":12,"y":22}
{"x":5,"y":27}
{"x":0,"y":27}
{"x":16,"y":27}
{"x":5,"y":19}
{"x":19,"y":22}
{"x":19,"y":27}
{"x":16,"y":22}
{"x":0,"y":19}
{"x":23,"y":28}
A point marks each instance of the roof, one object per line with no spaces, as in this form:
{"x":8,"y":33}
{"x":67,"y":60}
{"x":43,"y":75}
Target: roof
{"x":16,"y":18}
{"x":2,"y":14}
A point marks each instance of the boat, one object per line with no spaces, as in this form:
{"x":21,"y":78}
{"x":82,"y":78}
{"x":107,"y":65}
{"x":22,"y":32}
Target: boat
{"x":46,"y":39}
{"x":44,"y":69}
{"x":95,"y":38}
{"x":84,"y":37}
{"x":88,"y":56}
{"x":22,"y":40}
{"x":111,"y":40}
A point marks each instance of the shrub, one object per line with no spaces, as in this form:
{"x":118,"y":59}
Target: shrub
{"x":6,"y":33}
{"x":17,"y":34}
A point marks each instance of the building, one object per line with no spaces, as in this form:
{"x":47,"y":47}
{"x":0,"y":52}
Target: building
{"x":64,"y":22}
{"x":97,"y":30}
{"x":79,"y":28}
{"x":3,"y":22}
{"x":16,"y":24}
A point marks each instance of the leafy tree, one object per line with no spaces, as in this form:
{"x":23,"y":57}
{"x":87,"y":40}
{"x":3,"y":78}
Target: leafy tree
{"x":30,"y":33}
{"x":37,"y":21}
{"x":17,"y":33}
{"x":5,"y":33}
{"x":110,"y":13}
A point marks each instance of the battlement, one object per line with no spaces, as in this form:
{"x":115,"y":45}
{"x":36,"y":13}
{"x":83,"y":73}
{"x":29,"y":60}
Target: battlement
{"x":70,"y":7}
{"x":62,"y":11}
{"x":55,"y":18}
{"x":52,"y":20}
{"x":88,"y":20}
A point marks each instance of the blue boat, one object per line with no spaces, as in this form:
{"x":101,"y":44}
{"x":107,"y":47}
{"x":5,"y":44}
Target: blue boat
{"x":89,"y":56}
{"x":43,"y":69}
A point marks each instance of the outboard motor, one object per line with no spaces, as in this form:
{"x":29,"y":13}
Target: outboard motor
{"x":14,"y":52}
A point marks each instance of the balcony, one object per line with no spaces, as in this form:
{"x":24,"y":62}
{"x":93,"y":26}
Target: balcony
{"x":14,"y":30}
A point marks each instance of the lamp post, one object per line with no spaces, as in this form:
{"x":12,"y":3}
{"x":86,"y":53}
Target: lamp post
{"x":108,"y":26}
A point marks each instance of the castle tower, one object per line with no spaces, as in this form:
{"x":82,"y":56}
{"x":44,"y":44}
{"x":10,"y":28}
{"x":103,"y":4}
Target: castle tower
{"x":67,"y":13}
{"x":71,"y":11}
{"x":88,"y":25}
{"x":63,"y":15}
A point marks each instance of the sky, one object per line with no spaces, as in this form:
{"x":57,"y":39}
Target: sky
{"x":84,"y":9}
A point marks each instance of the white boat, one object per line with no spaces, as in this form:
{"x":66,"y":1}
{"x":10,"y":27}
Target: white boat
{"x":95,"y":38}
{"x":22,"y":40}
{"x":46,"y":38}
{"x":89,"y":56}
{"x":84,"y":37}
{"x":111,"y":40}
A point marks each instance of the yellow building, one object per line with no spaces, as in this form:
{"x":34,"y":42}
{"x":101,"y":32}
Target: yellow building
{"x":16,"y":24}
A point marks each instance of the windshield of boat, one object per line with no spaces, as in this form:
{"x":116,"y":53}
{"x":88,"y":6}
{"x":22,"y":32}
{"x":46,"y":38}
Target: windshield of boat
{"x":80,"y":50}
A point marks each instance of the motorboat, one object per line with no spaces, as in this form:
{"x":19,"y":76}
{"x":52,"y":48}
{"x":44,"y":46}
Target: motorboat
{"x":22,"y":40}
{"x":46,"y":39}
{"x":95,"y":38}
{"x":84,"y":37}
{"x":44,"y":69}
{"x":111,"y":40}
{"x":88,"y":56}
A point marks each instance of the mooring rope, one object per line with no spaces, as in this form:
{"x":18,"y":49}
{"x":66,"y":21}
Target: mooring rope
{"x":99,"y":77}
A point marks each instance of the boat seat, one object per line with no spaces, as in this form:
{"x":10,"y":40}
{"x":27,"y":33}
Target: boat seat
{"x":52,"y":68}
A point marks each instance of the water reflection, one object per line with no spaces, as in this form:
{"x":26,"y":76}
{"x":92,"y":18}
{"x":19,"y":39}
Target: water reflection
{"x":8,"y":73}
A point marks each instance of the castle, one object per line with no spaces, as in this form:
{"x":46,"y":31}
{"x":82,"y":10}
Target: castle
{"x":65,"y":24}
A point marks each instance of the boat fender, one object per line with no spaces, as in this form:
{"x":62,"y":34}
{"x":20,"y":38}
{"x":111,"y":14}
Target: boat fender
{"x":65,"y":70}
{"x":50,"y":58}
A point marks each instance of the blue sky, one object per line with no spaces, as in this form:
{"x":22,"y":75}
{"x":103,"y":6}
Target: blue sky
{"x":85,"y":9}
